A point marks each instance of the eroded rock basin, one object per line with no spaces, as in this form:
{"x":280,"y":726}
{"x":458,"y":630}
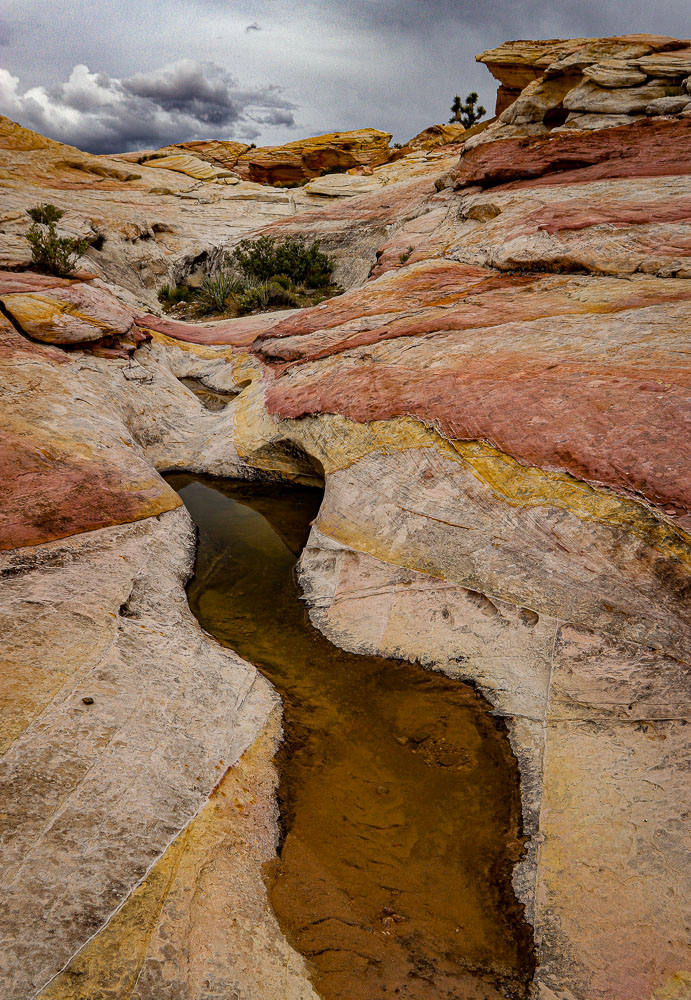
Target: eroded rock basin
{"x":399,"y":793}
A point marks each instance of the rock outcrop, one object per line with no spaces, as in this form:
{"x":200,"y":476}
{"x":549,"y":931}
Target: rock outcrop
{"x":299,"y":161}
{"x":586,"y":83}
{"x":497,"y":406}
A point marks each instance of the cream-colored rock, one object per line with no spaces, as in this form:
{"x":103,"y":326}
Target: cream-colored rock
{"x":184,"y":163}
{"x":590,"y":98}
{"x":93,"y":793}
{"x":673,"y":65}
{"x":591,"y":123}
{"x":536,"y":101}
{"x":212,"y":871}
{"x":342,"y":185}
{"x":614,"y":73}
{"x":668,"y":105}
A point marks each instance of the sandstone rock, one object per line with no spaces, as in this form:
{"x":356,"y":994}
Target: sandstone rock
{"x":646,"y":148}
{"x":614,"y":73}
{"x":668,"y":105}
{"x":577,"y":120}
{"x":93,"y":794}
{"x":342,"y":185}
{"x":674,"y":65}
{"x":235,"y":828}
{"x":222,"y":153}
{"x":65,"y":312}
{"x":516,"y":64}
{"x":436,"y":135}
{"x":590,"y":98}
{"x":184,"y":163}
{"x":537,"y":101}
{"x":298,"y":161}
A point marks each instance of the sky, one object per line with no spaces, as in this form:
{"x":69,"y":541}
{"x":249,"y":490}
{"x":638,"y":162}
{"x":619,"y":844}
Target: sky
{"x":121,"y":75}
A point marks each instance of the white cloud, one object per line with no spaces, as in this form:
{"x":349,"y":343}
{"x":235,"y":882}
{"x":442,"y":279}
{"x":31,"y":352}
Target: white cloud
{"x":187,"y":99}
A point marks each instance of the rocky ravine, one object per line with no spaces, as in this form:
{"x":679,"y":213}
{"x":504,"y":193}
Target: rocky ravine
{"x":498,"y":416}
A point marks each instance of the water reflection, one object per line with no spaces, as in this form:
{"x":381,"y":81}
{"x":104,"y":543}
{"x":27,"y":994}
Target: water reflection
{"x":398,"y":791}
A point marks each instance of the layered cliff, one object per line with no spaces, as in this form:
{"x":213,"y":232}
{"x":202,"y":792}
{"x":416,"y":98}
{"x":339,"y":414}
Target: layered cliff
{"x":498,"y":407}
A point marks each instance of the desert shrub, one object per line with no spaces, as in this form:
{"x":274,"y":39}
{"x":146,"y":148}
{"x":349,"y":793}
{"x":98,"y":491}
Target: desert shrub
{"x":45,"y":214}
{"x":256,"y":295}
{"x":405,"y":256}
{"x":170,"y":295}
{"x":54,"y":254}
{"x":293,"y":257}
{"x":466,"y":112}
{"x":215,"y":291}
{"x":283,"y":295}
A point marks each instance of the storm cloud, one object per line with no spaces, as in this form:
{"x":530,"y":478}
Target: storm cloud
{"x":166,"y":70}
{"x":185,"y":99}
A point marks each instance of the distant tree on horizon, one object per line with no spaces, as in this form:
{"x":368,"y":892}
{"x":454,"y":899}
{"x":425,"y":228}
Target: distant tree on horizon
{"x":466,"y":113}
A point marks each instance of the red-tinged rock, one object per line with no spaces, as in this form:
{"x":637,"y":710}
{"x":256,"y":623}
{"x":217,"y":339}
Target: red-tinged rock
{"x":439,"y":296}
{"x":16,"y":282}
{"x":59,"y":311}
{"x":577,"y":374}
{"x":238,"y":332}
{"x":583,"y":213}
{"x":647,"y":148}
{"x":61,"y":470}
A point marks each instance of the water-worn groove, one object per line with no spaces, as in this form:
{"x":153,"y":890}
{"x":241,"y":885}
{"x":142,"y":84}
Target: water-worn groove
{"x":384,"y":766}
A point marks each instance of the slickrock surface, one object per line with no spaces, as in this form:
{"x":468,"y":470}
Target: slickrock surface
{"x":499,"y":407}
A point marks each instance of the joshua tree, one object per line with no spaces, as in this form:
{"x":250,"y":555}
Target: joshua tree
{"x":466,"y":113}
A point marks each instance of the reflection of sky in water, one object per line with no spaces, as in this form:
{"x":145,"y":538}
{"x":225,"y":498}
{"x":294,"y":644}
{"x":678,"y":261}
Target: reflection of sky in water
{"x":398,"y":790}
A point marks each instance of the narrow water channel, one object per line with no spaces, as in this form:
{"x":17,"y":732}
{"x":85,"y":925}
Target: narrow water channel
{"x":399,"y":794}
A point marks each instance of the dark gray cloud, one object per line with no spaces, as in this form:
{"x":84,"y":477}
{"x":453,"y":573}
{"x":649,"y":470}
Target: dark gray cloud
{"x":185,"y":99}
{"x":342,"y":64}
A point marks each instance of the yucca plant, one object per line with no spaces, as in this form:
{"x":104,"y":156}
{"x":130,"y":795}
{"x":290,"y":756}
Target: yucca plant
{"x":215,"y":291}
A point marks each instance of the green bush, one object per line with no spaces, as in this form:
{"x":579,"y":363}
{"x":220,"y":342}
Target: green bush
{"x":256,"y":295}
{"x":54,"y":254}
{"x":170,"y":295}
{"x":45,"y":214}
{"x":215,"y":291}
{"x":293,"y":257}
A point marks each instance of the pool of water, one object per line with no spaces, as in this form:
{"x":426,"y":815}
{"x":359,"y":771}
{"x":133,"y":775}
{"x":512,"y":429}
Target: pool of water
{"x":399,"y":794}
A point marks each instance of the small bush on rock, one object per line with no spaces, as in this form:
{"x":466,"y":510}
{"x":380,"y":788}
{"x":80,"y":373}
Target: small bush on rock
{"x":51,"y":253}
{"x":172,"y":295}
{"x":262,"y":274}
{"x":45,"y":214}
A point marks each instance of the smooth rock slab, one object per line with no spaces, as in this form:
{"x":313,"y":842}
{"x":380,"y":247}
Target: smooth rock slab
{"x":93,"y":793}
{"x":68,"y":312}
{"x":199,"y":927}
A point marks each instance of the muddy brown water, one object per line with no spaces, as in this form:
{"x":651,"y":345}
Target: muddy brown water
{"x":399,"y":794}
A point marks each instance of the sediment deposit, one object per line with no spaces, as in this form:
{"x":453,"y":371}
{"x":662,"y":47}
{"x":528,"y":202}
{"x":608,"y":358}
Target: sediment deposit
{"x":498,"y":409}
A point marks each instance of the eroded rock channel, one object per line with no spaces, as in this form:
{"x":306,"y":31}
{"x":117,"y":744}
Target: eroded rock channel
{"x":399,"y":794}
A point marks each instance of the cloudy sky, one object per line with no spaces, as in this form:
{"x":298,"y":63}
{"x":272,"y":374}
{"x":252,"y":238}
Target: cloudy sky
{"x":109,"y":75}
